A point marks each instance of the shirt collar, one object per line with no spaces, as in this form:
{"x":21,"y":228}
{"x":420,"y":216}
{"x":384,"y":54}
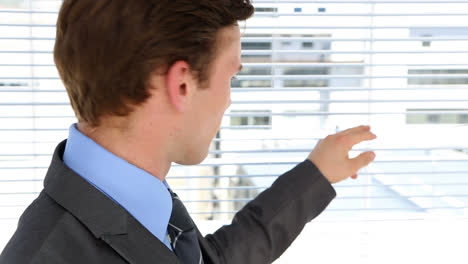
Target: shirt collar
{"x":143,"y":195}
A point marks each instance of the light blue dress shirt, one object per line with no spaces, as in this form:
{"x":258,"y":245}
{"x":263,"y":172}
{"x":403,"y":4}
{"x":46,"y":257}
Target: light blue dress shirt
{"x":143,"y":195}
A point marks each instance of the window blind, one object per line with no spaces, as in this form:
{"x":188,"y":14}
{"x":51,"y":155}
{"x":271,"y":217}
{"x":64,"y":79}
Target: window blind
{"x":311,"y":68}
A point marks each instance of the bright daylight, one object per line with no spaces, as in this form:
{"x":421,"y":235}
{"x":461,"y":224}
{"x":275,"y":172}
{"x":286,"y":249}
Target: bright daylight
{"x":310,"y":69}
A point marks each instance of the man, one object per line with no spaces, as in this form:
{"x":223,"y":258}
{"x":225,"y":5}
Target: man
{"x":149,"y":81}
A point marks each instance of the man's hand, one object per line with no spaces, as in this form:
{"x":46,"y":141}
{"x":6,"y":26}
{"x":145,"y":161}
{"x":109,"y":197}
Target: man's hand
{"x":331,"y":154}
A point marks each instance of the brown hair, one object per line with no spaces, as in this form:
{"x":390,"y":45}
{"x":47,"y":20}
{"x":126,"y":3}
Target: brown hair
{"x":105,"y":50}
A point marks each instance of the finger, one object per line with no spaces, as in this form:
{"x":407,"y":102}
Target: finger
{"x":362,"y":160}
{"x":354,"y":130}
{"x":358,"y":137}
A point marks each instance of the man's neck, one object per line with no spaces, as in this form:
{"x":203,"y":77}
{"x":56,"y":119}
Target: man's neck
{"x":137,"y":149}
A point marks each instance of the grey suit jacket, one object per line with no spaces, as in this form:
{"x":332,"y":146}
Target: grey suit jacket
{"x":73,"y":222}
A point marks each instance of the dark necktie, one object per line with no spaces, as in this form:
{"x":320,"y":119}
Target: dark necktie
{"x":182,"y":234}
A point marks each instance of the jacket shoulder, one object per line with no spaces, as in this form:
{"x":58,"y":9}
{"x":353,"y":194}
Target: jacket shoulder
{"x":34,"y":226}
{"x":48,"y":233}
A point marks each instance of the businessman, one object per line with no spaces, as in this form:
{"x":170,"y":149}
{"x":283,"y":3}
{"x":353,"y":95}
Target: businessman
{"x":149,"y":81}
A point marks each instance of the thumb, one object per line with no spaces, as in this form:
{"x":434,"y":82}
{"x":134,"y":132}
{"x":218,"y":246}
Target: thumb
{"x":362,"y":160}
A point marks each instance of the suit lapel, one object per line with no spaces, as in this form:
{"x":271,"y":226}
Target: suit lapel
{"x":138,"y":245}
{"x":106,"y":219}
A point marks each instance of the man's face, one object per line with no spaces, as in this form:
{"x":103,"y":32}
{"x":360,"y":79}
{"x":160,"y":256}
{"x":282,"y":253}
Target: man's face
{"x":208,"y":104}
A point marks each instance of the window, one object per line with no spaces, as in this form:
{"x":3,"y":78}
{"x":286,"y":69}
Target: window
{"x":247,"y":71}
{"x":13,"y":84}
{"x":307,"y":45}
{"x":437,"y":116}
{"x":252,"y":42}
{"x":251,"y":118}
{"x":304,"y":82}
{"x":426,"y":43}
{"x":256,"y":45}
{"x":322,"y":10}
{"x":447,"y":76}
{"x":266,"y":9}
{"x":286,"y":43}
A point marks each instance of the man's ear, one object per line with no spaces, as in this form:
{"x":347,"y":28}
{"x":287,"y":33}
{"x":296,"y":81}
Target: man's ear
{"x":177,"y":82}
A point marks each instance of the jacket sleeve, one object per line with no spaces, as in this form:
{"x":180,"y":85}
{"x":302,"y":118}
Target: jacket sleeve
{"x":266,"y":226}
